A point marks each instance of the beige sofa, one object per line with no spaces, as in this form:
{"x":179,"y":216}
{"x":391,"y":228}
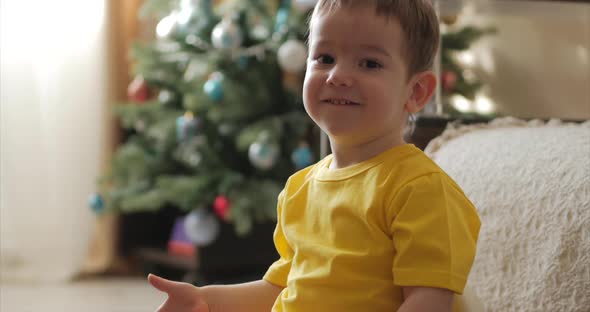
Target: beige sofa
{"x":530,"y":181}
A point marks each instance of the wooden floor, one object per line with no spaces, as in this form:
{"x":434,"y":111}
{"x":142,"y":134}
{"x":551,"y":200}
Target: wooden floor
{"x":104,"y":295}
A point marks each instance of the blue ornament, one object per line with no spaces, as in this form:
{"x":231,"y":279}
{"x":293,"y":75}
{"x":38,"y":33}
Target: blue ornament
{"x":213,"y":88}
{"x":282,"y":18}
{"x":202,"y":7}
{"x":186,"y":126}
{"x":243,"y":62}
{"x":302,"y":156}
{"x":206,"y":6}
{"x":96,"y":202}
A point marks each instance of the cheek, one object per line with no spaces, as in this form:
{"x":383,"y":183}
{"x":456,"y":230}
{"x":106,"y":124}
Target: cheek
{"x":311,"y":88}
{"x":385,"y":98}
{"x":384,"y":90}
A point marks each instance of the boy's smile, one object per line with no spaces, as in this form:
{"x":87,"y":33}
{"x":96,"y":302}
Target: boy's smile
{"x":340,"y":101}
{"x":356,"y":84}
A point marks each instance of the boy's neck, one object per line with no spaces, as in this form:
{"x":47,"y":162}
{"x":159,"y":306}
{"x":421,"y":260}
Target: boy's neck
{"x":345,"y":155}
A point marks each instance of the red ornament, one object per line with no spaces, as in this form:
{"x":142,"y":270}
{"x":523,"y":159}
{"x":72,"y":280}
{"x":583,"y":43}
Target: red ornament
{"x":449,"y":80}
{"x":221,"y":205}
{"x":138,"y":90}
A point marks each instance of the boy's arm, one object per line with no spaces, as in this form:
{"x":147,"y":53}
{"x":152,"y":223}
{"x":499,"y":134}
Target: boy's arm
{"x":183,"y":297}
{"x":254,"y":296}
{"x":426,"y":299}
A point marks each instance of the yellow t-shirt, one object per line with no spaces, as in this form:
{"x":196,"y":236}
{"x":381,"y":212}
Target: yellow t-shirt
{"x":349,"y":238}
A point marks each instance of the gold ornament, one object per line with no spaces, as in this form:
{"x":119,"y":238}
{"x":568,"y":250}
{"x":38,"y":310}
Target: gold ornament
{"x":449,"y":19}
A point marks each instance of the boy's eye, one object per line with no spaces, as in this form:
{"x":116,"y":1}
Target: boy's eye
{"x":371,"y":64}
{"x":325,"y":59}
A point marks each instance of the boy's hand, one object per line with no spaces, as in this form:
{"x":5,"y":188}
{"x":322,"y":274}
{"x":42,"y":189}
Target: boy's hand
{"x":182,"y":297}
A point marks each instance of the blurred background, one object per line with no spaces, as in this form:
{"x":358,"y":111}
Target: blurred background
{"x":153,"y":136}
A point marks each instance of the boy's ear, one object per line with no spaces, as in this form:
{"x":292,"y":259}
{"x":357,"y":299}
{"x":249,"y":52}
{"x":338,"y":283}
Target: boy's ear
{"x":422,"y":87}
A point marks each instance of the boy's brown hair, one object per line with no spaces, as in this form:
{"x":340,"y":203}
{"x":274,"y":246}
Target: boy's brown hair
{"x":417,"y":19}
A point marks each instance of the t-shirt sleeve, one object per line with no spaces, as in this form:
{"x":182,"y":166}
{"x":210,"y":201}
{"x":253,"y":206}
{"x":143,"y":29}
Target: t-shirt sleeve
{"x":434,"y":230}
{"x":277,"y":273}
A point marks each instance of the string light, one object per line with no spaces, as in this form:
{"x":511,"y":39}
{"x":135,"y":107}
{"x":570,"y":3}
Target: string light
{"x":166,"y":25}
{"x":484,"y":105}
{"x":466,"y":58}
{"x":461,"y":104}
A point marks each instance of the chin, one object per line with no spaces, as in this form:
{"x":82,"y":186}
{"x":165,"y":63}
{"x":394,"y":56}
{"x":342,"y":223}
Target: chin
{"x":341,"y":135}
{"x":338,"y":130}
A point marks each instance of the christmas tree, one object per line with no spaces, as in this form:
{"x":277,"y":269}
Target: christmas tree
{"x":214,"y":124}
{"x":455,"y":79}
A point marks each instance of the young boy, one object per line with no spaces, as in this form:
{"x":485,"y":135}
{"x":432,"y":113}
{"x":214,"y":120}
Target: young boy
{"x":376,"y":226}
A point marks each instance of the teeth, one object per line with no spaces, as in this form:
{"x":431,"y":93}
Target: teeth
{"x":340,"y":102}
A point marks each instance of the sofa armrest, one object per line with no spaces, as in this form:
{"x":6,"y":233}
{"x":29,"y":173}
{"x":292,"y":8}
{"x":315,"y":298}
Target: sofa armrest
{"x":530,"y":181}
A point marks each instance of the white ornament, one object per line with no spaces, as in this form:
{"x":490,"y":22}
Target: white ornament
{"x":227,"y":35}
{"x":260,"y":32}
{"x":201,"y":227}
{"x":292,"y":56}
{"x":139,"y":125}
{"x":304,"y":5}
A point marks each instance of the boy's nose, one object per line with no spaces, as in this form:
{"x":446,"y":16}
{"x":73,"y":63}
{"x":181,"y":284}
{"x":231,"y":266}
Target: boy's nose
{"x":339,"y":77}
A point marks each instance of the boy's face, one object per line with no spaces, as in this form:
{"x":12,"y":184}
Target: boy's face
{"x":355,"y":86}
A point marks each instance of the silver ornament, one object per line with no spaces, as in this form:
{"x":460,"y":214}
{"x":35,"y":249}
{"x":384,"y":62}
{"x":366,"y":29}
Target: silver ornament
{"x":227,"y":35}
{"x":292,"y":56}
{"x":201,"y":227}
{"x":263,"y":154}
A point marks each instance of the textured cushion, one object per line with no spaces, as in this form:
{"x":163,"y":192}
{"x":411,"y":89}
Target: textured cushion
{"x":530,"y":182}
